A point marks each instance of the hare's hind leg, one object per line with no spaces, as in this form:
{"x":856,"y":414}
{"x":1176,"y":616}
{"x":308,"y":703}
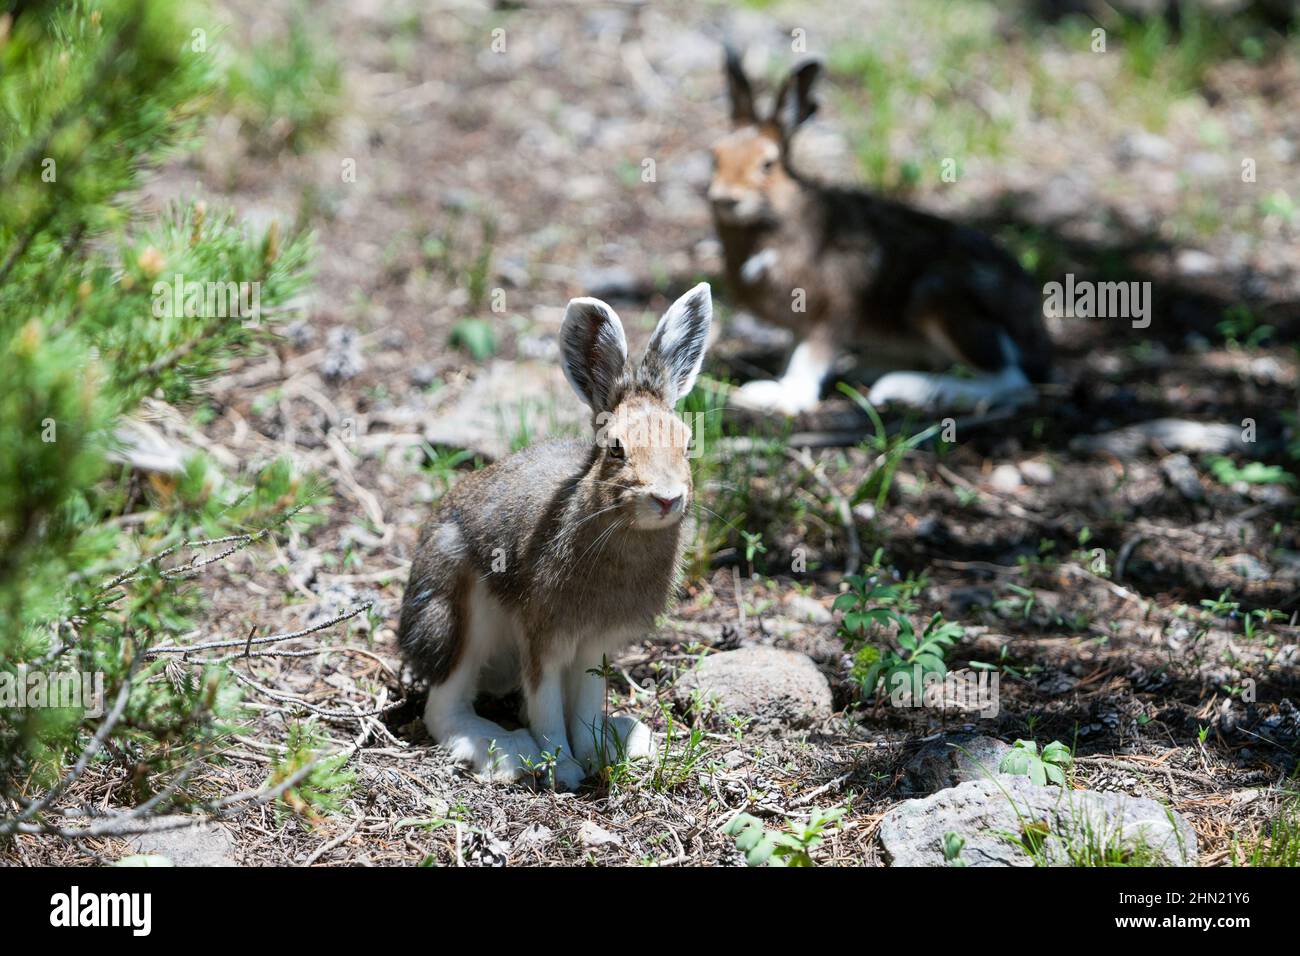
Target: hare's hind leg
{"x":455,"y":631}
{"x":961,"y":334}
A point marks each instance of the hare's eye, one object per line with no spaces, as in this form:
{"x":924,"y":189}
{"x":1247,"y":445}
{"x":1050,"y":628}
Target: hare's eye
{"x":768,"y":165}
{"x":615,"y":448}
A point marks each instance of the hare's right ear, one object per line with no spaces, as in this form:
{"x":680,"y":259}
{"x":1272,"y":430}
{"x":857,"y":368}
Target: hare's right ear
{"x":794,"y":101}
{"x":594,"y":351}
{"x":739,"y":90}
{"x":676,"y":350}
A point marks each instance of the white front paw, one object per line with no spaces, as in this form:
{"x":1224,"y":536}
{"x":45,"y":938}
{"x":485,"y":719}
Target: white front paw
{"x":566,"y":775}
{"x":506,"y":759}
{"x":774,"y":397}
{"x":908,"y":388}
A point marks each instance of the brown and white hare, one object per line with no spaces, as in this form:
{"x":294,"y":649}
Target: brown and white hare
{"x":537,"y":566}
{"x":851,"y":273}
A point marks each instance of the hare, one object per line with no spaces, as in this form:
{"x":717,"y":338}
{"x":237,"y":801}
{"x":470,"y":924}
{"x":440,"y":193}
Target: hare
{"x":849,"y":272}
{"x":537,"y":566}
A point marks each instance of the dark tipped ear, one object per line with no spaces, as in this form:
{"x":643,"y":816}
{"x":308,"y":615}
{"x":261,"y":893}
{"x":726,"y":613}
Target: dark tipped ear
{"x":794,"y":101}
{"x":594,"y":351}
{"x":676,"y":350}
{"x":739,"y":91}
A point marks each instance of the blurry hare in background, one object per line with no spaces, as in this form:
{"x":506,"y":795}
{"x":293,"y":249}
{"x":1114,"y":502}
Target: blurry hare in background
{"x":853,"y":274}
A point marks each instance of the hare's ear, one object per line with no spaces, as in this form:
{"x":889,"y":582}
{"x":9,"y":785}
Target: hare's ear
{"x":676,"y":350}
{"x":794,"y":101}
{"x":739,"y":90}
{"x":594,"y":351}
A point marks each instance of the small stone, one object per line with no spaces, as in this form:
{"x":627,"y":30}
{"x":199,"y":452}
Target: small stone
{"x":1247,"y":566}
{"x":948,"y":762}
{"x":774,"y":687}
{"x":1005,"y":478}
{"x":1037,"y":472}
{"x":535,"y":835}
{"x":865,"y":512}
{"x":422,"y":376}
{"x":806,"y":609}
{"x":342,"y":354}
{"x":591,"y":834}
{"x":615,"y":282}
{"x":1193,"y":262}
{"x":1181,"y":473}
{"x":1143,"y":146}
{"x":201,"y":844}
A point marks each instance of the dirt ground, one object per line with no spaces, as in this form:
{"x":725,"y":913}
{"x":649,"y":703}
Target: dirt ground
{"x":1077,"y":566}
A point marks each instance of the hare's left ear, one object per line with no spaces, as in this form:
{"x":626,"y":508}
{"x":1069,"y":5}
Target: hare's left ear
{"x":794,"y":101}
{"x":676,"y":350}
{"x":594,"y":352}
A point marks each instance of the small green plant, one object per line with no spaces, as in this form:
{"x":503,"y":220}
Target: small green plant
{"x":286,"y":91}
{"x":763,"y":847}
{"x":1221,"y":606}
{"x":1242,"y":329}
{"x":1024,"y":760}
{"x":1228,"y":472}
{"x":753,"y":546}
{"x":1278,"y":844}
{"x":1019,"y":603}
{"x":953,"y":843}
{"x":916,"y":655}
{"x":324,"y":787}
{"x":889,"y":449}
{"x":678,"y":758}
{"x":474,"y":336}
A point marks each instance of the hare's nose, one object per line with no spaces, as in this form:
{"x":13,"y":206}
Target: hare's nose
{"x":666,"y":505}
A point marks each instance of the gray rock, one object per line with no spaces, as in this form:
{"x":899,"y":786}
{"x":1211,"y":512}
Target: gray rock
{"x":948,"y":762}
{"x":343,"y":358}
{"x":486,"y":415}
{"x":772,"y":686}
{"x":203,"y":844}
{"x":993,"y":816}
{"x":422,"y":376}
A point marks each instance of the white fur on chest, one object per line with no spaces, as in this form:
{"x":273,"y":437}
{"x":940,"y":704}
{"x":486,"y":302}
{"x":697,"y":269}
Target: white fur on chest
{"x":497,"y":637}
